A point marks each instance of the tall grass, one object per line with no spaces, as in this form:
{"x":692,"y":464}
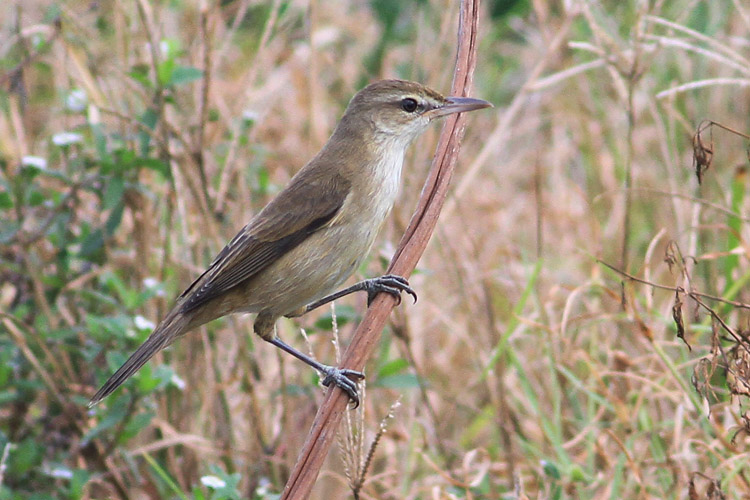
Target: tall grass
{"x":528,"y":368}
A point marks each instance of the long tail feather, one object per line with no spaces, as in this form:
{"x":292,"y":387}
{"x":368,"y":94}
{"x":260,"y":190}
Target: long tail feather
{"x":163,"y":335}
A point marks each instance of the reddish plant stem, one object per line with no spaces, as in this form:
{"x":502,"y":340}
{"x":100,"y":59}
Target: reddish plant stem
{"x":410,"y":249}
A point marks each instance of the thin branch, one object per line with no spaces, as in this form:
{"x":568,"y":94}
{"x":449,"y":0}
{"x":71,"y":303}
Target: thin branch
{"x":696,"y":296}
{"x":708,"y":40}
{"x":708,"y":54}
{"x":699,"y":84}
{"x":413,"y":243}
{"x":733,"y":303}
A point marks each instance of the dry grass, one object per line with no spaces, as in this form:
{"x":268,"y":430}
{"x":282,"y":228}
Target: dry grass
{"x":527,"y":369}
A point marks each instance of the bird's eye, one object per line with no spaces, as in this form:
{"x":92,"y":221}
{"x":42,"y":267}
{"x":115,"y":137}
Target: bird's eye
{"x":409,"y":105}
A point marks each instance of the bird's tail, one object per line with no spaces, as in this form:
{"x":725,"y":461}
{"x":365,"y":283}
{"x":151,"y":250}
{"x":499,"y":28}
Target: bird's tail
{"x":168,"y":330}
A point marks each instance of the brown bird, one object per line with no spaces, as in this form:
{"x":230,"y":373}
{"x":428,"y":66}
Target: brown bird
{"x":309,"y":239}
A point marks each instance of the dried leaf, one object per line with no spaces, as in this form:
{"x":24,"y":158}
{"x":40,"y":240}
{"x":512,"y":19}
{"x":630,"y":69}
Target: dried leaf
{"x":702,"y":154}
{"x":677,"y":316}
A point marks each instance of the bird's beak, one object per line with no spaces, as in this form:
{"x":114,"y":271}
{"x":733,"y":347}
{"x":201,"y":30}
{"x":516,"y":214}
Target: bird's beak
{"x":459,"y":105}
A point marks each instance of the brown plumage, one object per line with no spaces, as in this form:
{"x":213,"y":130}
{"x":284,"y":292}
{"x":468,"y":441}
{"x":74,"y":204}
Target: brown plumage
{"x":309,"y":239}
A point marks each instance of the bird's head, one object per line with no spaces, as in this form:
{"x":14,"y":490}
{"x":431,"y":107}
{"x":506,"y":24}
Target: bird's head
{"x":401,"y":110}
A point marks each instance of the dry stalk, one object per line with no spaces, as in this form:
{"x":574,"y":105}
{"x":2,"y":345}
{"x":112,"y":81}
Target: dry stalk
{"x":356,"y":462}
{"x":198,"y":150}
{"x":4,"y":461}
{"x":411,"y":247}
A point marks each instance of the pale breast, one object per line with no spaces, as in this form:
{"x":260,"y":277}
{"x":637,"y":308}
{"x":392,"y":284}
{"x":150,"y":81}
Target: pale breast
{"x":328,"y":257}
{"x":375,"y":190}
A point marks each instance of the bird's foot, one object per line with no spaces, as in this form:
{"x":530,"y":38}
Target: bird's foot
{"x":342,"y":378}
{"x":390,"y":283}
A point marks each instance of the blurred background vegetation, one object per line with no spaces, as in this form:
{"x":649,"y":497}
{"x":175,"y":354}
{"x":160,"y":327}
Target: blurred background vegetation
{"x":136,"y":138}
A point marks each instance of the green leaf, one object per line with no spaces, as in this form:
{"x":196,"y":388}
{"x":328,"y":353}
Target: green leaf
{"x":92,"y":244}
{"x":393,"y":367}
{"x":152,"y":378}
{"x":27,"y":455}
{"x":117,"y":411}
{"x":100,"y":142}
{"x":231,"y":482}
{"x":154,"y":164}
{"x":139,"y":73}
{"x":344,"y":315}
{"x":184,"y":74}
{"x":149,"y":118}
{"x":6,"y":201}
{"x":551,"y":469}
{"x":198,"y":494}
{"x":78,"y":482}
{"x":6,"y":369}
{"x":576,"y":474}
{"x":114,"y":219}
{"x":264,"y":180}
{"x":36,"y":198}
{"x":113,"y":193}
{"x":115,"y":286}
{"x":400,"y":381}
{"x":108,"y":328}
{"x":164,"y":475}
{"x":165,"y":70}
{"x":135,"y":425}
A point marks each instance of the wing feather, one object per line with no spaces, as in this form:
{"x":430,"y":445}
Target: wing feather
{"x":309,"y":203}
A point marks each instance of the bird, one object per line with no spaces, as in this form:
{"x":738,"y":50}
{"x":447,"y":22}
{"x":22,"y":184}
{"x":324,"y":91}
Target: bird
{"x":309,"y":239}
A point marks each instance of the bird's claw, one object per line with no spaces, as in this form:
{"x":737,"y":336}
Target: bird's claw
{"x":342,"y":378}
{"x":390,"y":283}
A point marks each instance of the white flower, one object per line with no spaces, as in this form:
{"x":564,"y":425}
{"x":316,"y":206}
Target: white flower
{"x":34,"y":161}
{"x":150,"y":282}
{"x":76,"y":100}
{"x":143,"y":324}
{"x":61,"y":473}
{"x":250,"y":116}
{"x":214,"y":482}
{"x":67,"y":138}
{"x":178,"y":382}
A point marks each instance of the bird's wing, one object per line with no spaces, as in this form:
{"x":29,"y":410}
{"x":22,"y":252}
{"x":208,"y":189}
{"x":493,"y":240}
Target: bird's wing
{"x":306,"y":205}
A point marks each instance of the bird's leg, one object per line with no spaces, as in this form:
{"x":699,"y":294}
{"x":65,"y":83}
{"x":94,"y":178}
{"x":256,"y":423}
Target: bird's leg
{"x":390,"y":283}
{"x":340,"y":377}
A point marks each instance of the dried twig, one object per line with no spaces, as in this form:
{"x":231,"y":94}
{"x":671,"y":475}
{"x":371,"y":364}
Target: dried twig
{"x":410,"y":249}
{"x":696,"y":296}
